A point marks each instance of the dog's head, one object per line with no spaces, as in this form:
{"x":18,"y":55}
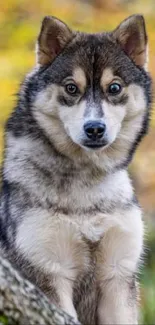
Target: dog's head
{"x":92,"y":92}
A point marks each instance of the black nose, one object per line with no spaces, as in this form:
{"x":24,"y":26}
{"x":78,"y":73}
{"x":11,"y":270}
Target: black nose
{"x":94,"y":130}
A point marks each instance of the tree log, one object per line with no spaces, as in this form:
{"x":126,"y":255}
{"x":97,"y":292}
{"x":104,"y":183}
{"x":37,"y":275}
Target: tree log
{"x":21,"y":303}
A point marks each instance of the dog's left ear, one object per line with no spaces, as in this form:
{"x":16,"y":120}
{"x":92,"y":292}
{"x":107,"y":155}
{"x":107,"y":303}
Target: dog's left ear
{"x":53,"y":37}
{"x":132,"y":37}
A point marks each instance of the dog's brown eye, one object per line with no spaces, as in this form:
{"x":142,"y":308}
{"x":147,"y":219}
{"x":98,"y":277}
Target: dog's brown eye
{"x":71,"y":89}
{"x":114,"y":89}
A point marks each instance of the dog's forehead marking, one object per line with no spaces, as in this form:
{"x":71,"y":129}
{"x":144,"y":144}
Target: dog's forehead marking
{"x":80,"y":77}
{"x":106,"y":77}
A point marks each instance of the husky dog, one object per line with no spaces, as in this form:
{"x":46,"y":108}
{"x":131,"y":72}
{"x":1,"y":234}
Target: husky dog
{"x":69,"y":218}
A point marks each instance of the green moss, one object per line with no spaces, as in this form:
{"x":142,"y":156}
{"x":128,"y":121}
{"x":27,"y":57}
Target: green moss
{"x":3,"y":320}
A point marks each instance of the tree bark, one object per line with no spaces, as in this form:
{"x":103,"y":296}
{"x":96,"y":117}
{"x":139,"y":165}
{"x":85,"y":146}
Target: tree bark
{"x":21,"y":303}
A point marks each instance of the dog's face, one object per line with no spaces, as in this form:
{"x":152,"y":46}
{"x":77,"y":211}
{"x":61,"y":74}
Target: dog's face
{"x":92,"y":89}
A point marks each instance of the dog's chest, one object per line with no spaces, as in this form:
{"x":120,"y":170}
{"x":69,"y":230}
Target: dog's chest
{"x":85,"y":209}
{"x":90,"y":227}
{"x":60,"y":243}
{"x":90,"y":208}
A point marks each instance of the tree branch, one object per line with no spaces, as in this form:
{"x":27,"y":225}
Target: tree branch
{"x":22,"y":303}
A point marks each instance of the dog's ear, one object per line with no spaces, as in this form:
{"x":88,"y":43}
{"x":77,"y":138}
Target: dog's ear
{"x":132,"y":37}
{"x":53,"y":37}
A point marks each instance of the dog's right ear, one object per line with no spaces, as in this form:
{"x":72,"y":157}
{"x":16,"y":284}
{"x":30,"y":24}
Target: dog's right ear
{"x":53,"y":37}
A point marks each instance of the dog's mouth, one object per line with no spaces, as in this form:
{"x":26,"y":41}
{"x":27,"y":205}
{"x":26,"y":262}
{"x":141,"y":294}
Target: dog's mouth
{"x":95,"y":145}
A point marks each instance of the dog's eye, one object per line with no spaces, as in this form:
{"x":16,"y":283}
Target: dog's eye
{"x":71,"y":89}
{"x":114,"y":89}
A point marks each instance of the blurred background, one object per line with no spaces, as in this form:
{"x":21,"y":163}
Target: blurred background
{"x":19,"y":26}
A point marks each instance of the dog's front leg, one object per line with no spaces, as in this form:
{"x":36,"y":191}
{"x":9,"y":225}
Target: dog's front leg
{"x":117,"y":260}
{"x":56,"y":248}
{"x":64,"y":290}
